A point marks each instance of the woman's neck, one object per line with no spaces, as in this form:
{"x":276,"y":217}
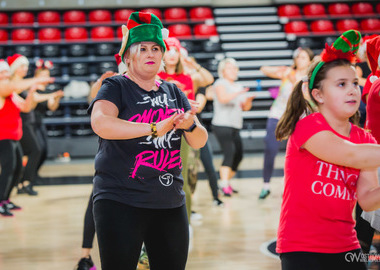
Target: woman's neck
{"x":147,"y":84}
{"x":170,"y":69}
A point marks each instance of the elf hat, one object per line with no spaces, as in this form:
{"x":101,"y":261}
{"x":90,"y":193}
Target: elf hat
{"x":15,"y":61}
{"x":373,"y":55}
{"x":142,"y":26}
{"x":120,"y":65}
{"x":3,"y":65}
{"x":345,"y":47}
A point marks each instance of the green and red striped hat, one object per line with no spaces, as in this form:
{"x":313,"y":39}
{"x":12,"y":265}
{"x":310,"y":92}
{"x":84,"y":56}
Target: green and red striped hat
{"x":142,"y":26}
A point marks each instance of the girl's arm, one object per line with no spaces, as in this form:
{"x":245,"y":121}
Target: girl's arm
{"x":327,"y":146}
{"x":368,"y":190}
{"x":7,"y":87}
{"x":107,"y":125}
{"x":224,"y":97}
{"x":275,"y":72}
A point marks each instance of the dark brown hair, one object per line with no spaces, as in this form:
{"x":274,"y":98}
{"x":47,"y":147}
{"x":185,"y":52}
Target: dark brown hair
{"x":298,"y":106}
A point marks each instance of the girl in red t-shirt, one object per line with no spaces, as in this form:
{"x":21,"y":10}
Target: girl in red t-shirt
{"x":330,"y":163}
{"x":11,"y":131}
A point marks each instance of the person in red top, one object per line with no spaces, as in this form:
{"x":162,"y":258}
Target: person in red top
{"x":330,"y":164}
{"x":372,"y":48}
{"x":11,"y":132}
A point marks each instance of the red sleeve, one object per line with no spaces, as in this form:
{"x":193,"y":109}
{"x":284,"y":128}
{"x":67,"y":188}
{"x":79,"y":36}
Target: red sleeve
{"x":309,"y":126}
{"x":366,"y":88}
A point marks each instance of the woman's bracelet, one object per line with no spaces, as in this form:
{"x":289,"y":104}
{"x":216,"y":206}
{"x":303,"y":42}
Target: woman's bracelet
{"x":153,"y":128}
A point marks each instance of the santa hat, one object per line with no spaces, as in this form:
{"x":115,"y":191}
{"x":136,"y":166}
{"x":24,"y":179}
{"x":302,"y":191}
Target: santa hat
{"x":373,"y":55}
{"x":3,"y":65}
{"x":15,"y":61}
{"x":173,"y":42}
{"x":142,"y":26}
{"x":120,"y":65}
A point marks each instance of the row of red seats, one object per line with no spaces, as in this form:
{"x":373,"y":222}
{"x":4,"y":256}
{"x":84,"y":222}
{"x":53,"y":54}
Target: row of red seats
{"x":103,"y":16}
{"x":334,"y":9}
{"x":371,"y":25}
{"x":99,"y":33}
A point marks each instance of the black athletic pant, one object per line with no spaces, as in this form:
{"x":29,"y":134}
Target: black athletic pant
{"x":364,"y":230}
{"x":89,"y":225}
{"x":231,"y":144}
{"x":121,"y":230}
{"x":206,"y":157}
{"x":32,"y":149}
{"x":322,"y":261}
{"x":11,"y":166}
{"x":41,"y":135}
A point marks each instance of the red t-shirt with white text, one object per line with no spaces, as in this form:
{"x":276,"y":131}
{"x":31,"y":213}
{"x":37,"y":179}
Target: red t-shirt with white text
{"x":319,"y":197}
{"x":183,"y":82}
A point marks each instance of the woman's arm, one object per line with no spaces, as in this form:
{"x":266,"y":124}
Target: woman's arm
{"x":327,"y":146}
{"x":368,"y":190}
{"x":27,"y":104}
{"x":53,"y":102}
{"x":224,"y":97}
{"x":107,"y":125}
{"x":7,"y":87}
{"x":96,"y":86}
{"x":201,"y":77}
{"x":275,"y":72}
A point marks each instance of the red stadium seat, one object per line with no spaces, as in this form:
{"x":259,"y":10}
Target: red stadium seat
{"x":322,"y":26}
{"x":347,"y":24}
{"x":3,"y":18}
{"x":175,"y":14}
{"x":362,"y":9}
{"x":74,"y":16}
{"x":154,"y":11}
{"x":179,"y":30}
{"x":3,"y":36}
{"x":100,"y":16}
{"x":119,"y":33}
{"x":49,"y":35}
{"x":204,"y":30}
{"x":296,"y":27}
{"x":339,"y":9}
{"x":22,"y":18}
{"x":291,"y":11}
{"x":76,"y":33}
{"x":378,"y":8}
{"x":370,"y":25}
{"x":122,"y":15}
{"x":102,"y":33}
{"x":201,"y":13}
{"x":314,"y":10}
{"x":48,"y":17}
{"x":22,"y":34}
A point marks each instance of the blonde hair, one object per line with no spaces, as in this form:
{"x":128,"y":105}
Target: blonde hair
{"x":135,"y":49}
{"x":222,"y":65}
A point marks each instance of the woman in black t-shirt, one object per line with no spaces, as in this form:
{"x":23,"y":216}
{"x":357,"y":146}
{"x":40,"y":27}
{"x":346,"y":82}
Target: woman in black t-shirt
{"x":138,"y":193}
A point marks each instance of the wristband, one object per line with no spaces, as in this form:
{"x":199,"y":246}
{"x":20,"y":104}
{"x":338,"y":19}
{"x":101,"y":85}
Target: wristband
{"x":191,"y":128}
{"x":153,"y":128}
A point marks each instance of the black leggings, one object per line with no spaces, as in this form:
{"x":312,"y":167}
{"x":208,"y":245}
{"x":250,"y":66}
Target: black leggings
{"x":121,"y":230}
{"x":11,"y":166}
{"x":231,"y":144}
{"x":32,"y":149}
{"x":364,"y":231}
{"x":206,"y":157}
{"x":322,"y":261}
{"x":41,"y":135}
{"x":89,"y":225}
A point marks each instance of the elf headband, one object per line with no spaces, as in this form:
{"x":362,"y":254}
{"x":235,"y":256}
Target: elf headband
{"x":345,"y":47}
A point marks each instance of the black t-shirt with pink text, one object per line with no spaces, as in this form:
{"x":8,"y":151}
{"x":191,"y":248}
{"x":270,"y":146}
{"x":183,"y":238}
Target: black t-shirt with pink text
{"x":141,"y":172}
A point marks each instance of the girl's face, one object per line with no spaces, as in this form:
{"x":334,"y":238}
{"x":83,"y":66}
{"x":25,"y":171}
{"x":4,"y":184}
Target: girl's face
{"x":302,"y":61}
{"x":230,"y":72}
{"x":340,"y":94}
{"x":149,"y":60}
{"x":171,"y":57}
{"x":21,"y":71}
{"x":44,"y":74}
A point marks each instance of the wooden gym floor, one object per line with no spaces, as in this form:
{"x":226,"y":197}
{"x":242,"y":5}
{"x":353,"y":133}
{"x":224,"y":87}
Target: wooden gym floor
{"x":47,"y":233}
